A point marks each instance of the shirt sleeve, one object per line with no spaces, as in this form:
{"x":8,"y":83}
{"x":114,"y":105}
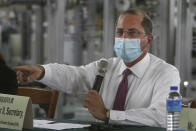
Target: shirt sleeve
{"x":155,"y":114}
{"x":69,"y":79}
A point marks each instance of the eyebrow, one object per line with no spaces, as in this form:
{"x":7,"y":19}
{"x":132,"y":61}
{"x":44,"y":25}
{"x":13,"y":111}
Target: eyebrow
{"x":128,"y":29}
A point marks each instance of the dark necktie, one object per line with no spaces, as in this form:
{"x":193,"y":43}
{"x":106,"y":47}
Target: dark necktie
{"x":119,"y":103}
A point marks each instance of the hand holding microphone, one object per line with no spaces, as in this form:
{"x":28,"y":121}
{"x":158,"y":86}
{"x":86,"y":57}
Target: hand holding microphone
{"x":93,"y":101}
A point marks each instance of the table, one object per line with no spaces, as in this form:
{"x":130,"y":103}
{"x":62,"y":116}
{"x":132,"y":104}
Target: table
{"x":97,"y":127}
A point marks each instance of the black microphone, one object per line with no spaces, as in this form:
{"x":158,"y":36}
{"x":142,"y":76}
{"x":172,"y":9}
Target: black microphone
{"x":102,"y":69}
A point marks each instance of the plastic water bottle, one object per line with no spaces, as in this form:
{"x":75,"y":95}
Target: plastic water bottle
{"x":174,"y":108}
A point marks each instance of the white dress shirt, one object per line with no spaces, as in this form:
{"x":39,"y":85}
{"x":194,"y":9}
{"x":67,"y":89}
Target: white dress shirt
{"x":149,"y":84}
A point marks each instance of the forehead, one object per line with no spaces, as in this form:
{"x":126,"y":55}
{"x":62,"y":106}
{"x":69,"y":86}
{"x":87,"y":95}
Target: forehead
{"x":128,"y":21}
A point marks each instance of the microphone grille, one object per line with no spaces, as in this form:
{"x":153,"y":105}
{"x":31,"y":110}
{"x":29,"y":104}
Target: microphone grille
{"x":102,"y":65}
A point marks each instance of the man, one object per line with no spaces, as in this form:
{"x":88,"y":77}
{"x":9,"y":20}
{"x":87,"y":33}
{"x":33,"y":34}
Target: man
{"x":135,"y":86}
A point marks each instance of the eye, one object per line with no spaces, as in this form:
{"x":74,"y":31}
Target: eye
{"x":119,"y":32}
{"x":132,"y":32}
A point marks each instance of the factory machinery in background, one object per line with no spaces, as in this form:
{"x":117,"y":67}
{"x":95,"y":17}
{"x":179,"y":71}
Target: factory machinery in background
{"x":77,"y":32}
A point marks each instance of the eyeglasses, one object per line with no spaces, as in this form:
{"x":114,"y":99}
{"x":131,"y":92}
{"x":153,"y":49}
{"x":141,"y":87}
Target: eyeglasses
{"x":132,"y":33}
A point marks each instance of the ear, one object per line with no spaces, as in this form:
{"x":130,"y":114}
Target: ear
{"x":150,"y":39}
{"x":149,"y":42}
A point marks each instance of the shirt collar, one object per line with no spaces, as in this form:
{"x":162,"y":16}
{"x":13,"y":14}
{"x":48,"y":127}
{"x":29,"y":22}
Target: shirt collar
{"x":137,"y":69}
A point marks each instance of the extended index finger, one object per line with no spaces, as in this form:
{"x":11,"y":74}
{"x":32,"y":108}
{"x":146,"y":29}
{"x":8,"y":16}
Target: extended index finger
{"x":20,"y":68}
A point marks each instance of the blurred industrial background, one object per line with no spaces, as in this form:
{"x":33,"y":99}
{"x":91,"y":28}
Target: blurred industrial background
{"x":77,"y":32}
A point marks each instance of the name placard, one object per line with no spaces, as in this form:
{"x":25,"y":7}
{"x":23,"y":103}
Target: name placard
{"x":188,"y":119}
{"x":15,"y":112}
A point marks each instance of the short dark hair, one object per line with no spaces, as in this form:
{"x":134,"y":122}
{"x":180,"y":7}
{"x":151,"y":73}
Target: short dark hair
{"x":146,"y":22}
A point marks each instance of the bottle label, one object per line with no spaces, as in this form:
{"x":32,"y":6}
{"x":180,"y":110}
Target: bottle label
{"x":174,"y":105}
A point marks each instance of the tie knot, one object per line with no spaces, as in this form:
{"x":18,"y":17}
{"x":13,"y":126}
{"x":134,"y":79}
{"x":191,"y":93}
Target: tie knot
{"x":126,"y":72}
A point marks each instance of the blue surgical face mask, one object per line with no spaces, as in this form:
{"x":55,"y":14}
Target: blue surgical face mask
{"x":127,"y":49}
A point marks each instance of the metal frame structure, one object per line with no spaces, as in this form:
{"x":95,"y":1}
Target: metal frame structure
{"x":55,"y":43}
{"x":161,"y":30}
{"x":38,"y":47}
{"x":55,"y":36}
{"x":108,"y":28}
{"x":183,"y":58}
{"x":91,"y":33}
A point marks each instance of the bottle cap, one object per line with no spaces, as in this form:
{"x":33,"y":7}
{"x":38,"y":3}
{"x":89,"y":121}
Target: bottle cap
{"x":173,"y":88}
